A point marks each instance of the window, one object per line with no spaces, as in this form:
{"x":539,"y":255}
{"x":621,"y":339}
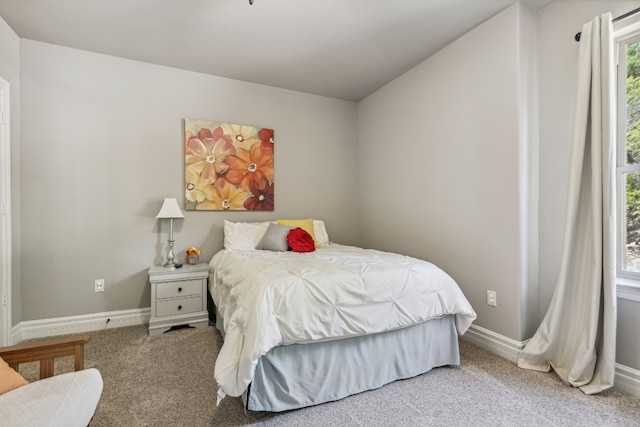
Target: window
{"x":628,"y":163}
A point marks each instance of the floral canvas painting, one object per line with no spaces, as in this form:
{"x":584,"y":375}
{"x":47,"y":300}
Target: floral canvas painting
{"x":228,"y":167}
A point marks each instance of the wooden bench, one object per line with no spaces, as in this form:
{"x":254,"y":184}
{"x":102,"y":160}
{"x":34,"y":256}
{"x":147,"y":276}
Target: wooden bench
{"x":45,"y":352}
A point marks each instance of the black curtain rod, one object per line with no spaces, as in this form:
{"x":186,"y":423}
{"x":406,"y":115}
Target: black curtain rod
{"x":619,"y":18}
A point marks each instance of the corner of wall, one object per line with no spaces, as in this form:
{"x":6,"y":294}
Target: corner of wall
{"x":528,"y":103}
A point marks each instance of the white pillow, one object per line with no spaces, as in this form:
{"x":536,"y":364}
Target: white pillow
{"x":320,"y":231}
{"x":243,"y":236}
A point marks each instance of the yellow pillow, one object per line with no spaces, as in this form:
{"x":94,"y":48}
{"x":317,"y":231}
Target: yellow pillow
{"x":305,"y":224}
{"x":9,"y":379}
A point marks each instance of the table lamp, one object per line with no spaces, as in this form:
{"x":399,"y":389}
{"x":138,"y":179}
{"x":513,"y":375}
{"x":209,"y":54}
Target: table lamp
{"x":171,"y":210}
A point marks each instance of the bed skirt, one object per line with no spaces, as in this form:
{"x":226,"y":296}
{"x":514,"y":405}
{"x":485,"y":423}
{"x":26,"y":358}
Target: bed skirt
{"x":295,"y":376}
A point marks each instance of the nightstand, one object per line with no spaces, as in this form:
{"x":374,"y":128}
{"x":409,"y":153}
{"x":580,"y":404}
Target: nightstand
{"x":178,"y":297}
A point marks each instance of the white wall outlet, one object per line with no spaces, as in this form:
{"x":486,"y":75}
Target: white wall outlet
{"x":492,"y":299}
{"x":99,"y":285}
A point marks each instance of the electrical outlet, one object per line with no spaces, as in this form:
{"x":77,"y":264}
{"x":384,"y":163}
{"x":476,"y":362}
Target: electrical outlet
{"x":492,"y":298}
{"x":99,"y":285}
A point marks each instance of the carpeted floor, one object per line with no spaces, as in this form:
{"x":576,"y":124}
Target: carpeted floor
{"x":167,"y":380}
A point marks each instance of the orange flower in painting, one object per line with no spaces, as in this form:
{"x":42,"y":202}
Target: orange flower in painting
{"x":261,"y":200}
{"x":250,"y":169}
{"x":266,"y":138}
{"x":224,"y":196}
{"x":207,"y":152}
{"x":266,"y":135}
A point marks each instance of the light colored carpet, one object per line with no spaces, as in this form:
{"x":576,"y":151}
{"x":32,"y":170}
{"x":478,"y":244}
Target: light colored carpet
{"x":167,"y":380}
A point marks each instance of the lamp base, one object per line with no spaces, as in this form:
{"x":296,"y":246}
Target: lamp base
{"x":170,"y":256}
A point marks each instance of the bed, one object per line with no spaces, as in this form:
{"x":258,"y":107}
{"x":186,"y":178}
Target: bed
{"x":302,"y":329}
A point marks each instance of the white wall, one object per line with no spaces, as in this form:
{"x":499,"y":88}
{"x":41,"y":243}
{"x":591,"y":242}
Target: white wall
{"x":445,"y":167}
{"x":557,"y":25}
{"x":102,"y":146}
{"x":10,"y":71}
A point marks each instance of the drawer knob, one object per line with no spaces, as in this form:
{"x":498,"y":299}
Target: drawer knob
{"x":179,"y":307}
{"x":179,"y":289}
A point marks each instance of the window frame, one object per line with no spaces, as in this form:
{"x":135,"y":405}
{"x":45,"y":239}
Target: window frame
{"x":631,"y":35}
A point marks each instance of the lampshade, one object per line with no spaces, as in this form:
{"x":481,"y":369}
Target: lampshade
{"x":170,"y":209}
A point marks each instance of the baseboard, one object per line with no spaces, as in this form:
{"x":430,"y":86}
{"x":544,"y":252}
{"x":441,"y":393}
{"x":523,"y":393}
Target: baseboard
{"x":494,"y":342}
{"x":16,"y":334}
{"x":626,"y":380}
{"x":42,"y":328}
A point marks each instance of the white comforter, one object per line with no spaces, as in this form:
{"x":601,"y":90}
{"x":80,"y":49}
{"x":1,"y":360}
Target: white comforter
{"x":269,"y":299}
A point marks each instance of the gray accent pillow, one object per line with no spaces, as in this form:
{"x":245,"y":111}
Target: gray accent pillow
{"x":275,"y":238}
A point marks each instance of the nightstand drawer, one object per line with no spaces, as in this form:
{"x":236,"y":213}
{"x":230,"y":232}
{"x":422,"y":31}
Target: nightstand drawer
{"x":179,"y":289}
{"x":178,"y":306}
{"x":178,"y":297}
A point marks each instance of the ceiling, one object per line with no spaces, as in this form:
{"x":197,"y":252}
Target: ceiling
{"x":343,"y":49}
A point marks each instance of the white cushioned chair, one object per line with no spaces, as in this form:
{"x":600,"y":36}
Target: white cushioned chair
{"x":68,"y":399}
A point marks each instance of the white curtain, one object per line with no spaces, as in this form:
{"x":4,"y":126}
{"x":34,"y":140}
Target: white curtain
{"x":577,"y":337}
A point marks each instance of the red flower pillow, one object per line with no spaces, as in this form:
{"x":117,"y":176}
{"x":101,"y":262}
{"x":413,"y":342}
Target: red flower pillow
{"x":300,"y":241}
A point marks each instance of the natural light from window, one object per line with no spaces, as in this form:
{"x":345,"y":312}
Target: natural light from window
{"x":629,"y":155}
